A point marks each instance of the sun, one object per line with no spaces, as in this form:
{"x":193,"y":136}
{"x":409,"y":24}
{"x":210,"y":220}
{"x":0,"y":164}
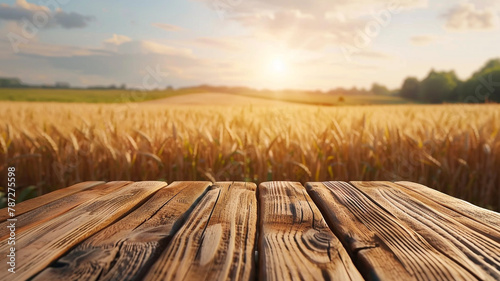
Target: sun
{"x":278,"y":66}
{"x":276,"y":70}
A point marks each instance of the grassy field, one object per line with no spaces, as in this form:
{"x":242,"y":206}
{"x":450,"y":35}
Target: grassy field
{"x":326,"y":99}
{"x":127,"y":96}
{"x":453,"y":148}
{"x":81,"y":95}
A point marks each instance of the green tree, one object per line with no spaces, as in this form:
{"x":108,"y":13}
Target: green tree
{"x":439,"y":87}
{"x":481,"y":88}
{"x":492,"y":64}
{"x":410,"y":88}
{"x":378,"y":89}
{"x":10,"y":82}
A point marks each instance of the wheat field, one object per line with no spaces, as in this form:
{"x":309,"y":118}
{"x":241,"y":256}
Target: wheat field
{"x":452,"y":148}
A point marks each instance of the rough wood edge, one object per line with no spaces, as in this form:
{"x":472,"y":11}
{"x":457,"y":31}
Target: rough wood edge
{"x":36,"y":202}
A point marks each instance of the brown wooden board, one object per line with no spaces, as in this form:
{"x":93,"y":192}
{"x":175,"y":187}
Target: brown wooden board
{"x":295,"y":243}
{"x":465,"y":208}
{"x":125,"y":249}
{"x":39,"y":246}
{"x":441,"y":227}
{"x":36,"y":202}
{"x":402,"y":253}
{"x":58,"y":207}
{"x":217,"y":240}
{"x":374,"y":260}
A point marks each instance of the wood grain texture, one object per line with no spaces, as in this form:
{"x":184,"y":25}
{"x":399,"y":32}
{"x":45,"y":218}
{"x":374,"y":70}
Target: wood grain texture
{"x":465,"y":208}
{"x":58,"y":207}
{"x":36,"y":202}
{"x":417,"y":256}
{"x":217,"y":241}
{"x":373,"y":258}
{"x":127,"y":248}
{"x":295,"y":242}
{"x":39,"y":246}
{"x":445,"y":230}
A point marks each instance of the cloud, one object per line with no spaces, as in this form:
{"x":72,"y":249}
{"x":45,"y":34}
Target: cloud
{"x":219,"y":43}
{"x":467,"y":16}
{"x":299,"y":25}
{"x":373,"y":55}
{"x":128,"y":63}
{"x":298,"y":30}
{"x":49,"y":50}
{"x":422,"y":40}
{"x":72,"y":20}
{"x":117,"y":39}
{"x":42,"y":15}
{"x":151,"y":47}
{"x":20,"y":10}
{"x":167,"y":27}
{"x":125,"y":45}
{"x":320,"y":7}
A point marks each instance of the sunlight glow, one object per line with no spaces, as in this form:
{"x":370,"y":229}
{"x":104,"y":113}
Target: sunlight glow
{"x":278,"y":66}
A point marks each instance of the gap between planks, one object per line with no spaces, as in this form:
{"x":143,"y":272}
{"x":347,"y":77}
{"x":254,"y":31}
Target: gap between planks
{"x":415,"y":238}
{"x":295,"y":242}
{"x":126,"y":249}
{"x":41,"y":245}
{"x":217,"y":240}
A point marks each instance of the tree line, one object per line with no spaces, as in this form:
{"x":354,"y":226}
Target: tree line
{"x":444,"y":86}
{"x":6,"y":82}
{"x":438,"y":87}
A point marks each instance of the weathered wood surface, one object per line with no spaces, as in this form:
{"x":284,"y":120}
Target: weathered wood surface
{"x":57,"y":207}
{"x":381,"y":225}
{"x":217,"y":241}
{"x":37,"y":247}
{"x":295,"y":243}
{"x":459,"y":238}
{"x":373,"y":258}
{"x":36,"y":202}
{"x":208,"y":231}
{"x":467,"y":209}
{"x":127,"y":248}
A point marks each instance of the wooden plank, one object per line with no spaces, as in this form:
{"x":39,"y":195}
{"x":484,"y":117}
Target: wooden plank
{"x":465,"y":208}
{"x":28,"y":205}
{"x":58,"y":207}
{"x":39,"y":246}
{"x":127,"y":248}
{"x":374,"y":260}
{"x":354,"y":215}
{"x":295,"y":242}
{"x":441,"y":227}
{"x":217,"y":241}
{"x":486,"y":222}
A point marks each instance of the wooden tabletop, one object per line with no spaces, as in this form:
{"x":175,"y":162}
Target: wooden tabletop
{"x":238,"y":231}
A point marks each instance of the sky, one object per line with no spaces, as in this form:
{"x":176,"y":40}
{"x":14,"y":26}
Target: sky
{"x":318,"y":44}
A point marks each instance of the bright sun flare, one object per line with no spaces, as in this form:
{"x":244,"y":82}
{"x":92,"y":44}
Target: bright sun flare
{"x":278,"y":66}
